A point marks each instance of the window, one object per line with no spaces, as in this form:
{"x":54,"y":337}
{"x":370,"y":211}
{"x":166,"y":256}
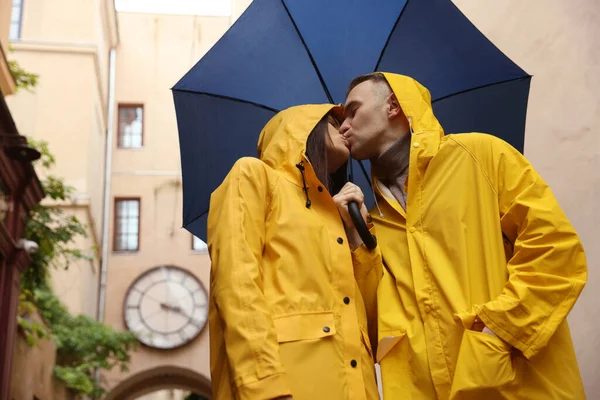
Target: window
{"x":127,"y":225}
{"x":15,"y":20}
{"x":198,"y":245}
{"x":131,"y":126}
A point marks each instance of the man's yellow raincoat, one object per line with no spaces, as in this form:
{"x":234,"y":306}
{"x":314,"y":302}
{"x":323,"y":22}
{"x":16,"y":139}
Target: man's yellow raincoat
{"x":482,"y":236}
{"x":286,"y":315}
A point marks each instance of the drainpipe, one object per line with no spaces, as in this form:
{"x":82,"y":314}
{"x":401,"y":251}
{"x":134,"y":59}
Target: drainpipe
{"x":107,"y":183}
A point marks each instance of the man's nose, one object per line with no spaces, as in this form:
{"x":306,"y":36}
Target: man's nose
{"x":344,"y":127}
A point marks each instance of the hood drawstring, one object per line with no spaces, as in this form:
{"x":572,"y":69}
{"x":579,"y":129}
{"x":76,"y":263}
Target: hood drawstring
{"x":300,"y":166}
{"x":375,"y":198}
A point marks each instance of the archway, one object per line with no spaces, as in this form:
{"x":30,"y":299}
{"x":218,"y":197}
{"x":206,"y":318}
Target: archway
{"x":164,"y":377}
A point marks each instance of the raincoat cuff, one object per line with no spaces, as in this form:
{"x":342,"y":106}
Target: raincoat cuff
{"x":364,"y":259}
{"x":529,"y":345}
{"x":270,"y":387}
{"x":499,"y":331}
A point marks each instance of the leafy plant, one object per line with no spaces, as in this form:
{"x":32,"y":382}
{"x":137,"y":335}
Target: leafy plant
{"x":83,"y":345}
{"x":23,"y":79}
{"x":31,"y":328}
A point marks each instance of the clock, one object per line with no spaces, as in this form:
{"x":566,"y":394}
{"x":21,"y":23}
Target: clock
{"x":166,"y":307}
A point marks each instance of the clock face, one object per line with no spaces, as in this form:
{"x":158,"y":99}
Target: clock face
{"x":166,"y":307}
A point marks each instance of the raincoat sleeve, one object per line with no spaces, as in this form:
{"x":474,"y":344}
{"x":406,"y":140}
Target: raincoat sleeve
{"x":236,"y":233}
{"x":368,"y":271}
{"x":547,"y":270}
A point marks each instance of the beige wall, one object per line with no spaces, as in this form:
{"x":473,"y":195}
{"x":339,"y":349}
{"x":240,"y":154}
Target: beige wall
{"x":32,"y":373}
{"x":5,"y":13}
{"x":154,"y":53}
{"x":78,"y":286}
{"x":62,"y":110}
{"x":558,"y":43}
{"x":59,"y":21}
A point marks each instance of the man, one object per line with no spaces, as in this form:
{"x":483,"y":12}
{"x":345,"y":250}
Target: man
{"x":482,"y":265}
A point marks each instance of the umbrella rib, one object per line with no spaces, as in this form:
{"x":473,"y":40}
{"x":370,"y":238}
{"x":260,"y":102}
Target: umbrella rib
{"x":482,"y":87}
{"x":308,"y":52}
{"x":220,"y":96}
{"x":390,"y":36}
{"x":462,"y":14}
{"x":195,"y":218}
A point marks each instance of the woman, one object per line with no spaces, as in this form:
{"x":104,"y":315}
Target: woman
{"x":286,"y":316}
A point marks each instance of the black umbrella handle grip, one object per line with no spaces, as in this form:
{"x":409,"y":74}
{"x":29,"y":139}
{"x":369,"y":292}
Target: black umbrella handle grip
{"x":363,"y":231}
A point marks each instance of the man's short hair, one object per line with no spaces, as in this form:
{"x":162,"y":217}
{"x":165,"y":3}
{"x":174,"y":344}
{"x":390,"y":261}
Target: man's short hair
{"x":375,"y":77}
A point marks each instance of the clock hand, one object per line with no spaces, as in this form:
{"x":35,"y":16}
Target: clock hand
{"x":144,"y":294}
{"x":163,"y":307}
{"x":180,"y":311}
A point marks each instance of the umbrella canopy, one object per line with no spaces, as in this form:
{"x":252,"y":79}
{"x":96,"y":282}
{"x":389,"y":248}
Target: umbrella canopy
{"x":282,"y":53}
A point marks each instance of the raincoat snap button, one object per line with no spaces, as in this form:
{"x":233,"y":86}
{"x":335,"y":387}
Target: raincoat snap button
{"x":413,"y":229}
{"x":320,"y":188}
{"x":346,"y":300}
{"x":326,"y":329}
{"x":353,"y":363}
{"x":416,"y":144}
{"x":340,"y":240}
{"x":427,"y":309}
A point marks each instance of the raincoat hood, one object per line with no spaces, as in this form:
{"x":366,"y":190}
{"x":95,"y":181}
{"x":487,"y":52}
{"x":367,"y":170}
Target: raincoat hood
{"x":415,"y":101}
{"x":282,"y":142}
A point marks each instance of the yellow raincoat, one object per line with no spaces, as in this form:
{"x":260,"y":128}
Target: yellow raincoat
{"x":286,"y":315}
{"x":482,"y":236}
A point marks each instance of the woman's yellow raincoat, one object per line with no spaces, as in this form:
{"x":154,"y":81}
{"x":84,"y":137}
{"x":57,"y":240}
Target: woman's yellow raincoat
{"x":482,"y":236}
{"x":286,"y":315}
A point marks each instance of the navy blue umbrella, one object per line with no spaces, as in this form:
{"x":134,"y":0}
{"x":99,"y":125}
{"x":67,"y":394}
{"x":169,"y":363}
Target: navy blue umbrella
{"x":282,"y":53}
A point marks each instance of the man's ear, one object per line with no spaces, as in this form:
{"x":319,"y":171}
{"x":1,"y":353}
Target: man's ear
{"x":394,"y":109}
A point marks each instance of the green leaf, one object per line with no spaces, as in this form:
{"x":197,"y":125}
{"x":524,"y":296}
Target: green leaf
{"x":23,"y":79}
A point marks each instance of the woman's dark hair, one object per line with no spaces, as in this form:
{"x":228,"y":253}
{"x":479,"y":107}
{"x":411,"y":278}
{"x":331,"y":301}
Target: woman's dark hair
{"x":316,"y":152}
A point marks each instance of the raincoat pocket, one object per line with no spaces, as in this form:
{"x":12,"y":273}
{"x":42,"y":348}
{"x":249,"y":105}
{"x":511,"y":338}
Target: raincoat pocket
{"x":309,"y":355}
{"x":484,"y":368}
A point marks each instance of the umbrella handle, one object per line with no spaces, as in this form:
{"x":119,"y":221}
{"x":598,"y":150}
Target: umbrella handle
{"x":363,"y":231}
